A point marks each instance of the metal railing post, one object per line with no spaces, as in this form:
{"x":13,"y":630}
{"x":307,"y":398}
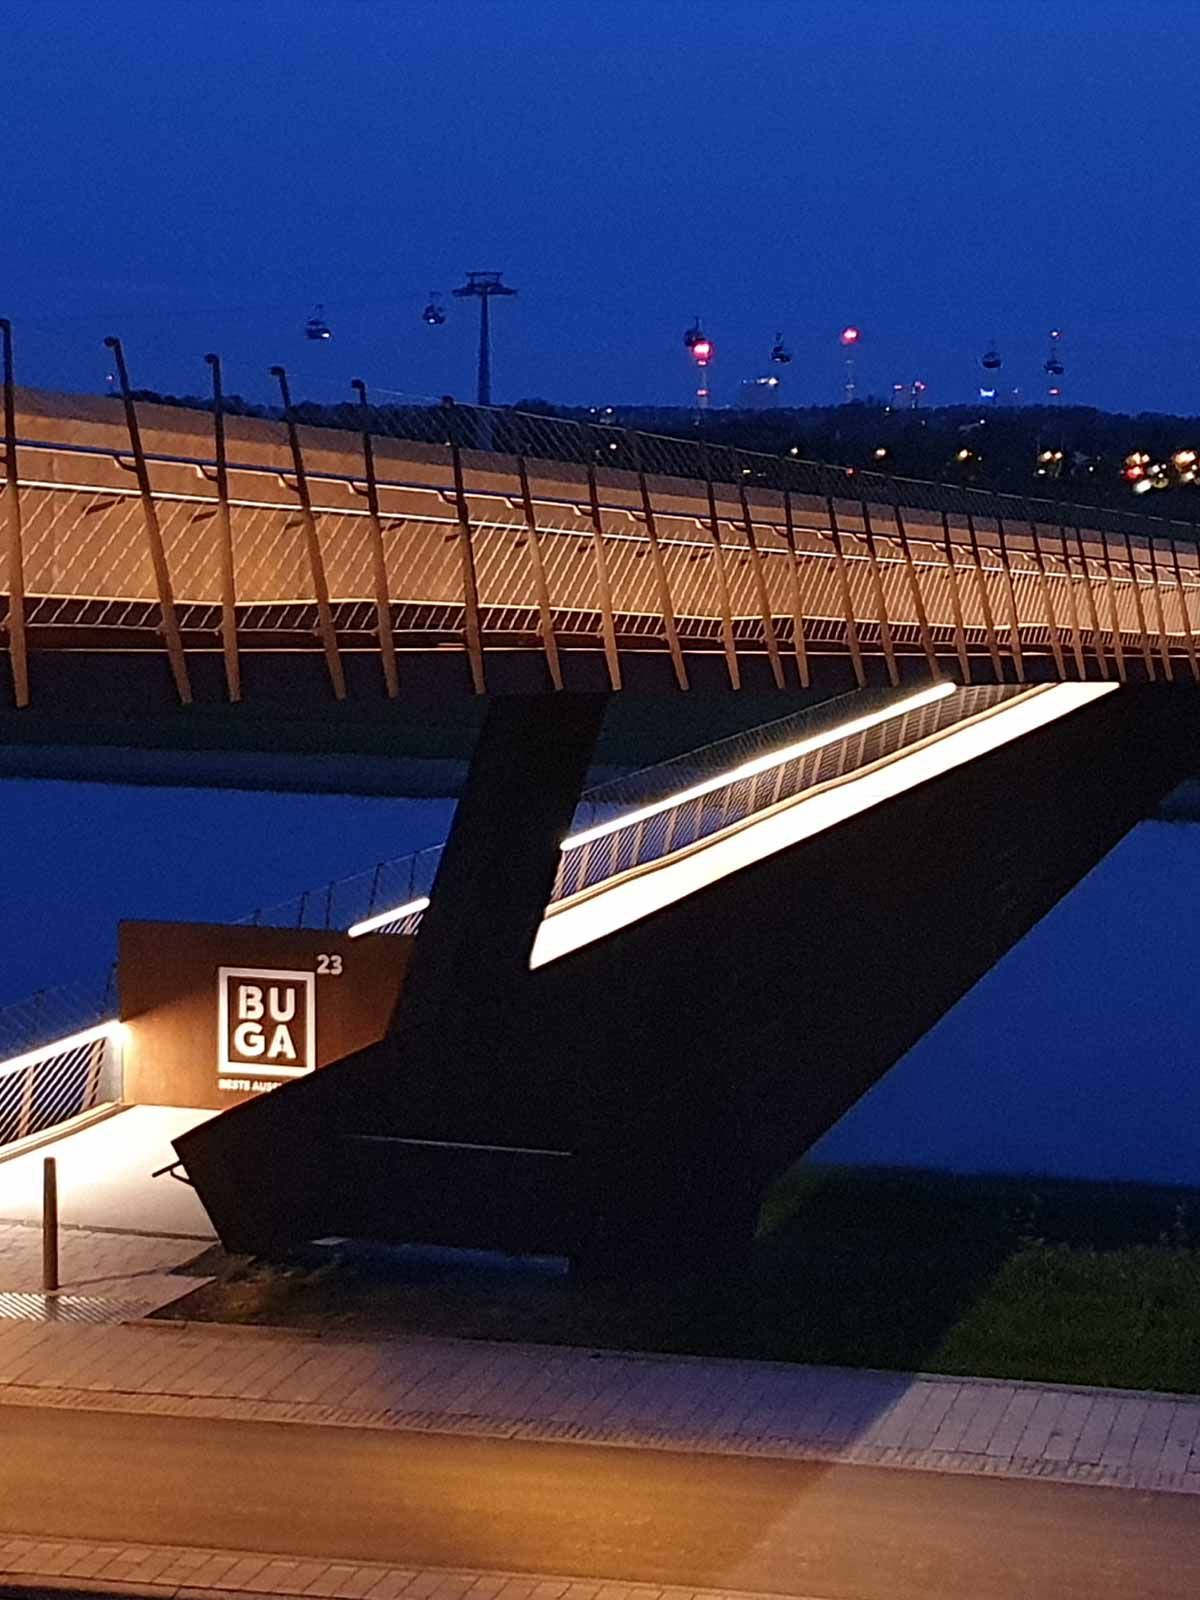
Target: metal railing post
{"x":50,"y":1275}
{"x":885,"y":627}
{"x":761,"y":590}
{"x":229,"y":639}
{"x":1072,"y":606}
{"x":1093,"y":614}
{"x":1160,"y":615}
{"x":603,"y":584}
{"x":918,"y":599}
{"x":1011,"y":591}
{"x":18,"y":654}
{"x":1139,"y":609}
{"x":158,"y":559}
{"x":541,"y":589}
{"x":960,"y":633}
{"x":312,"y":543}
{"x":1047,"y":601}
{"x":1118,"y":643}
{"x":985,"y":604}
{"x":839,"y":555}
{"x":732,"y":664}
{"x":662,"y":582}
{"x":1187,"y":619}
{"x":799,"y":643}
{"x":472,"y":637}
{"x":383,"y":603}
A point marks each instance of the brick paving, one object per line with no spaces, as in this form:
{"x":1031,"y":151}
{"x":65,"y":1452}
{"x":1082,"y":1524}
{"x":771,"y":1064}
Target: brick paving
{"x":85,"y":1349}
{"x":531,"y":1392}
{"x":195,"y":1574}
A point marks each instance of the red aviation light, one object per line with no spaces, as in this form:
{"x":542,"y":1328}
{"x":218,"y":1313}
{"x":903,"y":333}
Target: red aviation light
{"x":702,"y":350}
{"x":850,"y":335}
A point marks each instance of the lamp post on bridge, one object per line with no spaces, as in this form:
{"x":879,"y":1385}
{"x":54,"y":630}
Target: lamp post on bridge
{"x":482,"y":286}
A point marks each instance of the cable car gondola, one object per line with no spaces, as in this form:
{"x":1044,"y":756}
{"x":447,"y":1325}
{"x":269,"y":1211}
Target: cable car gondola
{"x":434,"y":313}
{"x":316,"y":327}
{"x":780,"y":351}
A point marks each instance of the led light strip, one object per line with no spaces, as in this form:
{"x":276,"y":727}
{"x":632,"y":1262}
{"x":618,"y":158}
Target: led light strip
{"x":382,"y":918}
{"x":568,"y":924}
{"x":751,"y":769}
{"x":112,"y":1029}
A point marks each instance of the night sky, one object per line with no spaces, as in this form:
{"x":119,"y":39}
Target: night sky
{"x":195,"y":175}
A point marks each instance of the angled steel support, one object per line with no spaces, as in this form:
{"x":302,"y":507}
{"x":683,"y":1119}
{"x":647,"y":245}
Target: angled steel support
{"x":383,"y":604}
{"x":761,"y":591}
{"x":472,"y":635}
{"x":1039,"y":562}
{"x":732,"y":664}
{"x":1072,"y":606}
{"x":1093,"y":614}
{"x":985,"y":604}
{"x":1139,"y":610}
{"x":603,"y":583}
{"x":18,"y":653}
{"x":1160,"y":616}
{"x":158,"y":559}
{"x":799,"y":643}
{"x":666,"y":605}
{"x":1011,"y":591}
{"x":229,"y":639}
{"x":847,"y":599}
{"x":1118,"y":644}
{"x":538,"y":566}
{"x":312,"y":544}
{"x":960,"y":633}
{"x":1189,"y":637}
{"x":914,"y":588}
{"x":885,"y":627}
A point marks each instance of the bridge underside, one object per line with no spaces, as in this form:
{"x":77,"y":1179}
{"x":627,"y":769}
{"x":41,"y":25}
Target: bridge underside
{"x":630,"y":1099}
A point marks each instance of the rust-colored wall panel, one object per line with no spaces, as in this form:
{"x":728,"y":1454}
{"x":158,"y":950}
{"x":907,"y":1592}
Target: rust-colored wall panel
{"x":176,"y":1052}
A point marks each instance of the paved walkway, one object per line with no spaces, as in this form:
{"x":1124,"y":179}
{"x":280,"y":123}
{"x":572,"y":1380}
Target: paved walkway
{"x":123,"y":1231}
{"x":196,"y":1574}
{"x":84,"y":1348}
{"x":533,"y":1392}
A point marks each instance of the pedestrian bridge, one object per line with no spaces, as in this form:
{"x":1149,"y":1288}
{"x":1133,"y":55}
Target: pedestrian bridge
{"x":154,"y":555}
{"x":617,"y":1027}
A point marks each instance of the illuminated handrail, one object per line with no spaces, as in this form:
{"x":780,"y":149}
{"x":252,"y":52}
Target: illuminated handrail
{"x":681,"y":819}
{"x":60,"y":1079}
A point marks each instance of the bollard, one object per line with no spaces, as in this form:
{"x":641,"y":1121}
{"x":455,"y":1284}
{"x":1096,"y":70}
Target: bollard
{"x":49,"y":1225}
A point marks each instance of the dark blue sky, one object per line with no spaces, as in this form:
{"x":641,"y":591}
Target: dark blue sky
{"x":196,"y":174}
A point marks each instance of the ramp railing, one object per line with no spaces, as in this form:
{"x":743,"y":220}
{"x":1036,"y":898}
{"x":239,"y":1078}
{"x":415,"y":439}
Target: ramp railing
{"x":645,"y":816}
{"x":60,"y":1055}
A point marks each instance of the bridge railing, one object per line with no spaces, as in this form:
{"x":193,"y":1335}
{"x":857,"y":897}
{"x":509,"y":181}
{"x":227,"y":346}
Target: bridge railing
{"x":60,"y":1055}
{"x":797,"y":755}
{"x":645,"y":816}
{"x":428,"y":527}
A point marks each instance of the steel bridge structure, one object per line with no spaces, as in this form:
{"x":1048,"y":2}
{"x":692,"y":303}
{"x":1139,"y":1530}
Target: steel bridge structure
{"x":451,"y":550}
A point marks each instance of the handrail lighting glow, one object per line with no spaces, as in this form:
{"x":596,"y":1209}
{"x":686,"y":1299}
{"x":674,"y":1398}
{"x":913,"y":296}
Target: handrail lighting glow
{"x":751,"y":769}
{"x":382,"y":918}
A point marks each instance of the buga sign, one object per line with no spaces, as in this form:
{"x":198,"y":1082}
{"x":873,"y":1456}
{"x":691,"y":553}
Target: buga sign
{"x":267,"y":1028}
